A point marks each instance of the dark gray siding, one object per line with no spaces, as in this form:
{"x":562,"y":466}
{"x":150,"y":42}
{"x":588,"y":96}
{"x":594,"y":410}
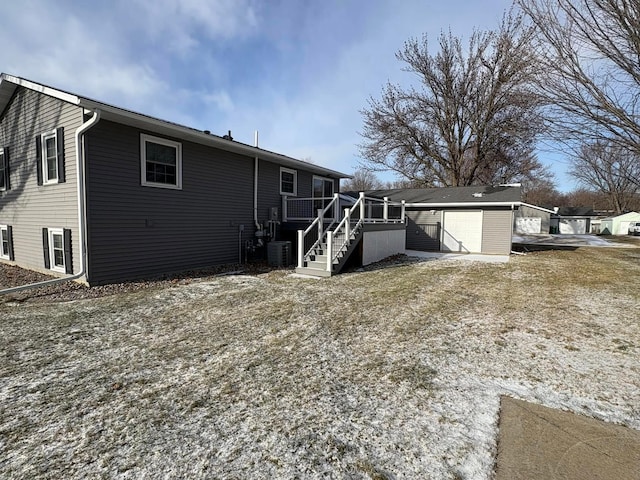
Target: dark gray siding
{"x":423,"y":229}
{"x":497,"y":230}
{"x":28,"y":207}
{"x":269,"y":188}
{"x":137,"y":231}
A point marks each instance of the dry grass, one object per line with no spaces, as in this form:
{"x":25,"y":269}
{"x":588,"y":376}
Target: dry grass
{"x":389,"y":373}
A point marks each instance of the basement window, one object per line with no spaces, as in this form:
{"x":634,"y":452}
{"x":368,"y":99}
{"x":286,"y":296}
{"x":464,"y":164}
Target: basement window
{"x":161,"y":162}
{"x":6,"y":244}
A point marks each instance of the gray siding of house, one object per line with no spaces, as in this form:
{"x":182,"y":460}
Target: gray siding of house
{"x":423,"y":232}
{"x":497,"y":230}
{"x":28,"y":207}
{"x":269,"y":188}
{"x":138,"y":231}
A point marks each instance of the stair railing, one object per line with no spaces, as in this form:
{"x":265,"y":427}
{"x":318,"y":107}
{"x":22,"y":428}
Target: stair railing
{"x":344,"y":227}
{"x":317,"y":223}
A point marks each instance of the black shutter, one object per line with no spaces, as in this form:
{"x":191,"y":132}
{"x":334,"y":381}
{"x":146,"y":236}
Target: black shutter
{"x":45,"y":247}
{"x":10,"y":240}
{"x":60,"y":154}
{"x":7,"y":177}
{"x":39,"y":159}
{"x":68,"y":260}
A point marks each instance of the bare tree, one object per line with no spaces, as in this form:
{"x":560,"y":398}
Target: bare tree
{"x":589,"y":51}
{"x":542,"y":190}
{"x":474,"y":119}
{"x":362,"y":180}
{"x":610,"y":169}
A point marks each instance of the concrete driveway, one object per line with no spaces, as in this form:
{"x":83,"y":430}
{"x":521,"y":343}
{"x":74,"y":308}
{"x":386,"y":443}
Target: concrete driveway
{"x":565,"y":240}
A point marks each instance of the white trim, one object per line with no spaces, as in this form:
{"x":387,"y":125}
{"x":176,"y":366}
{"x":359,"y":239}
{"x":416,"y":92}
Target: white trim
{"x":52,"y":92}
{"x":144,"y":138}
{"x":295,"y":181}
{"x":536,"y":207}
{"x":3,"y":188}
{"x":52,"y":266}
{"x":464,"y":204}
{"x":4,"y":228}
{"x":43,"y":157}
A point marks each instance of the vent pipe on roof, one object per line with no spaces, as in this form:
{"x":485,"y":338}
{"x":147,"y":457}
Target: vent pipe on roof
{"x":228,"y":136}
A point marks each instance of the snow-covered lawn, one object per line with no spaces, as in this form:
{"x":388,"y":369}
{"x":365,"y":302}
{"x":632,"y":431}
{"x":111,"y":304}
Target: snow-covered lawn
{"x":389,"y":373}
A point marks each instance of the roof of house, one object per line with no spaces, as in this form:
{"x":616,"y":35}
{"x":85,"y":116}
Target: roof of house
{"x":626,"y":216}
{"x":576,"y":212}
{"x":9,"y":83}
{"x":480,"y":195}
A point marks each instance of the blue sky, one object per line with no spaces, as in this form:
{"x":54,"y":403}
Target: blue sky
{"x":299,"y":72}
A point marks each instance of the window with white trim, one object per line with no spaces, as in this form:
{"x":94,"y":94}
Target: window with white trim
{"x":161,"y":162}
{"x":49,"y":159}
{"x":288,"y":181}
{"x":6,"y":246}
{"x":56,"y":249}
{"x":56,"y":243}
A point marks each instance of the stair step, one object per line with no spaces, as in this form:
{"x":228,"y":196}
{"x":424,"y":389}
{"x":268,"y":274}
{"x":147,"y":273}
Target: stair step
{"x":312,"y":272}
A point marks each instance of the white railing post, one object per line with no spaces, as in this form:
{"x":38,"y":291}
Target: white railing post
{"x":329,"y":251}
{"x":284,"y":209}
{"x":402,"y":211}
{"x":320,"y":224}
{"x":347,"y":224}
{"x":300,"y":248}
{"x":361,"y":200}
{"x":385,"y":210}
{"x":336,"y":207}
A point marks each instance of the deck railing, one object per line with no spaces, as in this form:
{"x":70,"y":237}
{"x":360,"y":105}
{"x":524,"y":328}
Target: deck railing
{"x":375,"y":210}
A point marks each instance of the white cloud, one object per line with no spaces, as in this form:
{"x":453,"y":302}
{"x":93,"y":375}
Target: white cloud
{"x":178,"y":24}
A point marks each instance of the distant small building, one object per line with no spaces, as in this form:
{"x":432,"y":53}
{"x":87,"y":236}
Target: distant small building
{"x":618,"y":225}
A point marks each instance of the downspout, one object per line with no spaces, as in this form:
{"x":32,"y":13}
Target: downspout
{"x":255,"y":188}
{"x":82,"y":223}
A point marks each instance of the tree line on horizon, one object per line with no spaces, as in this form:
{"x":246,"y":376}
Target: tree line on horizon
{"x":560,"y":72}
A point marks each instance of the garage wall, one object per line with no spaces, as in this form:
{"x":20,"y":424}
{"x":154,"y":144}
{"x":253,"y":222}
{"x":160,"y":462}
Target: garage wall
{"x":497,"y":232}
{"x":423,"y":230}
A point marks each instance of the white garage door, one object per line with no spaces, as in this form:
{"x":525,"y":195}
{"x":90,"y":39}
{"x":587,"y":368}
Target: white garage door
{"x":528,"y":225}
{"x":462,"y":232}
{"x":573,"y":226}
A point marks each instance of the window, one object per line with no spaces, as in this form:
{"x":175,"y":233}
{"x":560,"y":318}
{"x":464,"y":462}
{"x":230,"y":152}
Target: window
{"x":161,"y":162}
{"x":4,"y":169}
{"x":57,"y":249}
{"x":288,"y":181}
{"x":50,"y":152}
{"x":323,"y":191}
{"x":6,"y":242}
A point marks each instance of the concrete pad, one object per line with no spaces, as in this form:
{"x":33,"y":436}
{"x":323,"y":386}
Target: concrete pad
{"x":536,"y":442}
{"x":470,"y":257}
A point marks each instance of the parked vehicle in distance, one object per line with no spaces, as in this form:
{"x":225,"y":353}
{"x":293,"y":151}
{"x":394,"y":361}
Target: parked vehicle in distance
{"x":634,"y":228}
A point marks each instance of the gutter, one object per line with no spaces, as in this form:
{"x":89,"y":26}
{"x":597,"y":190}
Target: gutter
{"x":536,"y":207}
{"x":465,"y":204}
{"x":255,"y":189}
{"x":82,"y":220}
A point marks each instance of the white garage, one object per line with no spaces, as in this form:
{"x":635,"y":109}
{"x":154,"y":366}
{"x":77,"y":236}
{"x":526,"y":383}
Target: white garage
{"x":573,"y":226}
{"x":462,"y":231}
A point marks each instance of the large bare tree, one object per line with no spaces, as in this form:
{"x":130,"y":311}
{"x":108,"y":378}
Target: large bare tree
{"x":610,"y":169}
{"x":473,"y":119}
{"x":590,"y":54}
{"x":362,"y":180}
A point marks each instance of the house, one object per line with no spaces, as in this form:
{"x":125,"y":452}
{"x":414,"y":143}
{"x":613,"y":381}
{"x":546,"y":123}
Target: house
{"x":476,"y":219}
{"x":618,"y":225}
{"x":102,"y":194}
